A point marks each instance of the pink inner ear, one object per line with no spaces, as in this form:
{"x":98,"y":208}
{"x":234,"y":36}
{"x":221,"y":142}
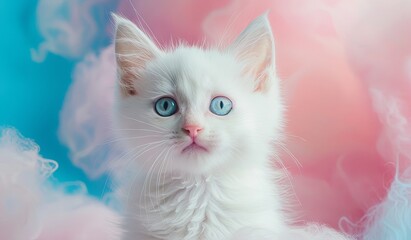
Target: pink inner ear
{"x":259,"y":72}
{"x":126,"y":83}
{"x":132,"y":92}
{"x":255,"y":48}
{"x":261,"y":82}
{"x":263,"y":75}
{"x":133,"y":50}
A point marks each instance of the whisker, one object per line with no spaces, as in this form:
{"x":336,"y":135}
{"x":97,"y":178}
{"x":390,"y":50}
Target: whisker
{"x":160,"y":172}
{"x":289,"y":177}
{"x":227,"y":29}
{"x":141,"y":21}
{"x":282,"y":146}
{"x":147,"y":147}
{"x":148,"y":124}
{"x":148,"y":178}
{"x":130,"y":138}
{"x":137,"y":129}
{"x":111,"y":171}
{"x":295,"y":136}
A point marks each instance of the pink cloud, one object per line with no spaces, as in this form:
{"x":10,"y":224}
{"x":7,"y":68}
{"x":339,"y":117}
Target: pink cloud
{"x":30,"y":208}
{"x":67,"y":27}
{"x":85,"y":126}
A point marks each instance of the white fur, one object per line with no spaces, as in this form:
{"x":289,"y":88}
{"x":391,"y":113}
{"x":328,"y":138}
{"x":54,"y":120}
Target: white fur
{"x":168,"y":194}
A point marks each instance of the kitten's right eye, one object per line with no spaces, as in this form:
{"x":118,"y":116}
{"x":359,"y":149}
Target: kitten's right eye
{"x":221,"y":106}
{"x":166,"y":106}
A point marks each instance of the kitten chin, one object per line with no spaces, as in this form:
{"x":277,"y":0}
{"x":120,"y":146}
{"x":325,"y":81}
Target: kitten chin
{"x":200,"y":126}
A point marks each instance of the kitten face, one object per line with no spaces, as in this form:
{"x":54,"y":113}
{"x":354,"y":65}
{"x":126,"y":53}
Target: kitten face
{"x":196,"y":110}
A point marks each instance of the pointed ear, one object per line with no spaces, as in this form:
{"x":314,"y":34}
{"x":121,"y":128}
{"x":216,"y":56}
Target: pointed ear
{"x":254,"y":47}
{"x":134,"y":49}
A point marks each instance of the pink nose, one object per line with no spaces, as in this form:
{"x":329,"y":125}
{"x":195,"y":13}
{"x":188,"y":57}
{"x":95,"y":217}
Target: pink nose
{"x":192,"y":130}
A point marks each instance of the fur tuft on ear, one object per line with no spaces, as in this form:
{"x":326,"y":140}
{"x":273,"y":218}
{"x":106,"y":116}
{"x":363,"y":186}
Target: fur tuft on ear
{"x":254,"y":47}
{"x":134,"y":49}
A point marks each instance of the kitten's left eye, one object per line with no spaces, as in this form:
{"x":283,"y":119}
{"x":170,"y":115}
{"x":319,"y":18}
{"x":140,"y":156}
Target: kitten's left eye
{"x":166,"y":106}
{"x":221,"y":106}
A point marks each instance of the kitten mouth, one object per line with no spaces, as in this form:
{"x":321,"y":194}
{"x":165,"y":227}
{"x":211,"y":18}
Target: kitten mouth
{"x":194,"y":147}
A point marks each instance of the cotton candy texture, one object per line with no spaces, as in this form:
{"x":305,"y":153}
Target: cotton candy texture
{"x":31,"y":209}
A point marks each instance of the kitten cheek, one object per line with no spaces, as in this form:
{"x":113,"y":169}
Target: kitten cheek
{"x":218,"y":143}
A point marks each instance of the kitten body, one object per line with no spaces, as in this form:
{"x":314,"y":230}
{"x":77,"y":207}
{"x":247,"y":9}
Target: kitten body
{"x":196,"y":173}
{"x":206,"y":206}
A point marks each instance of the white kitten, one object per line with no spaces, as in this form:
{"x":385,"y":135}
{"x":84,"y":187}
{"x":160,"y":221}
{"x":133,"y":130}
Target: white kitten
{"x":201,"y":127}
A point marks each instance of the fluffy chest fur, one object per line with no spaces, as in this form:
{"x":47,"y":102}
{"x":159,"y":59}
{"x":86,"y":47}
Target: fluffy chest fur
{"x":203,"y":207}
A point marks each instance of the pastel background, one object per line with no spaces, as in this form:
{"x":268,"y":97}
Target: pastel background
{"x":345,"y":67}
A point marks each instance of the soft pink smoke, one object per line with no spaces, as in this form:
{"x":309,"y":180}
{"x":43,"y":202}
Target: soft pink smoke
{"x":85,"y":119}
{"x":31,"y":209}
{"x":345,"y":65}
{"x":67,"y":27}
{"x":22,"y":171}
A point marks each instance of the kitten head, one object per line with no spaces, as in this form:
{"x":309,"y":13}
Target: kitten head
{"x":197,"y":110}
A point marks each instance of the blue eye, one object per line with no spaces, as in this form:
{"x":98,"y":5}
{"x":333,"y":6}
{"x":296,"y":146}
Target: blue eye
{"x":165,"y":106}
{"x":221,"y":106}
